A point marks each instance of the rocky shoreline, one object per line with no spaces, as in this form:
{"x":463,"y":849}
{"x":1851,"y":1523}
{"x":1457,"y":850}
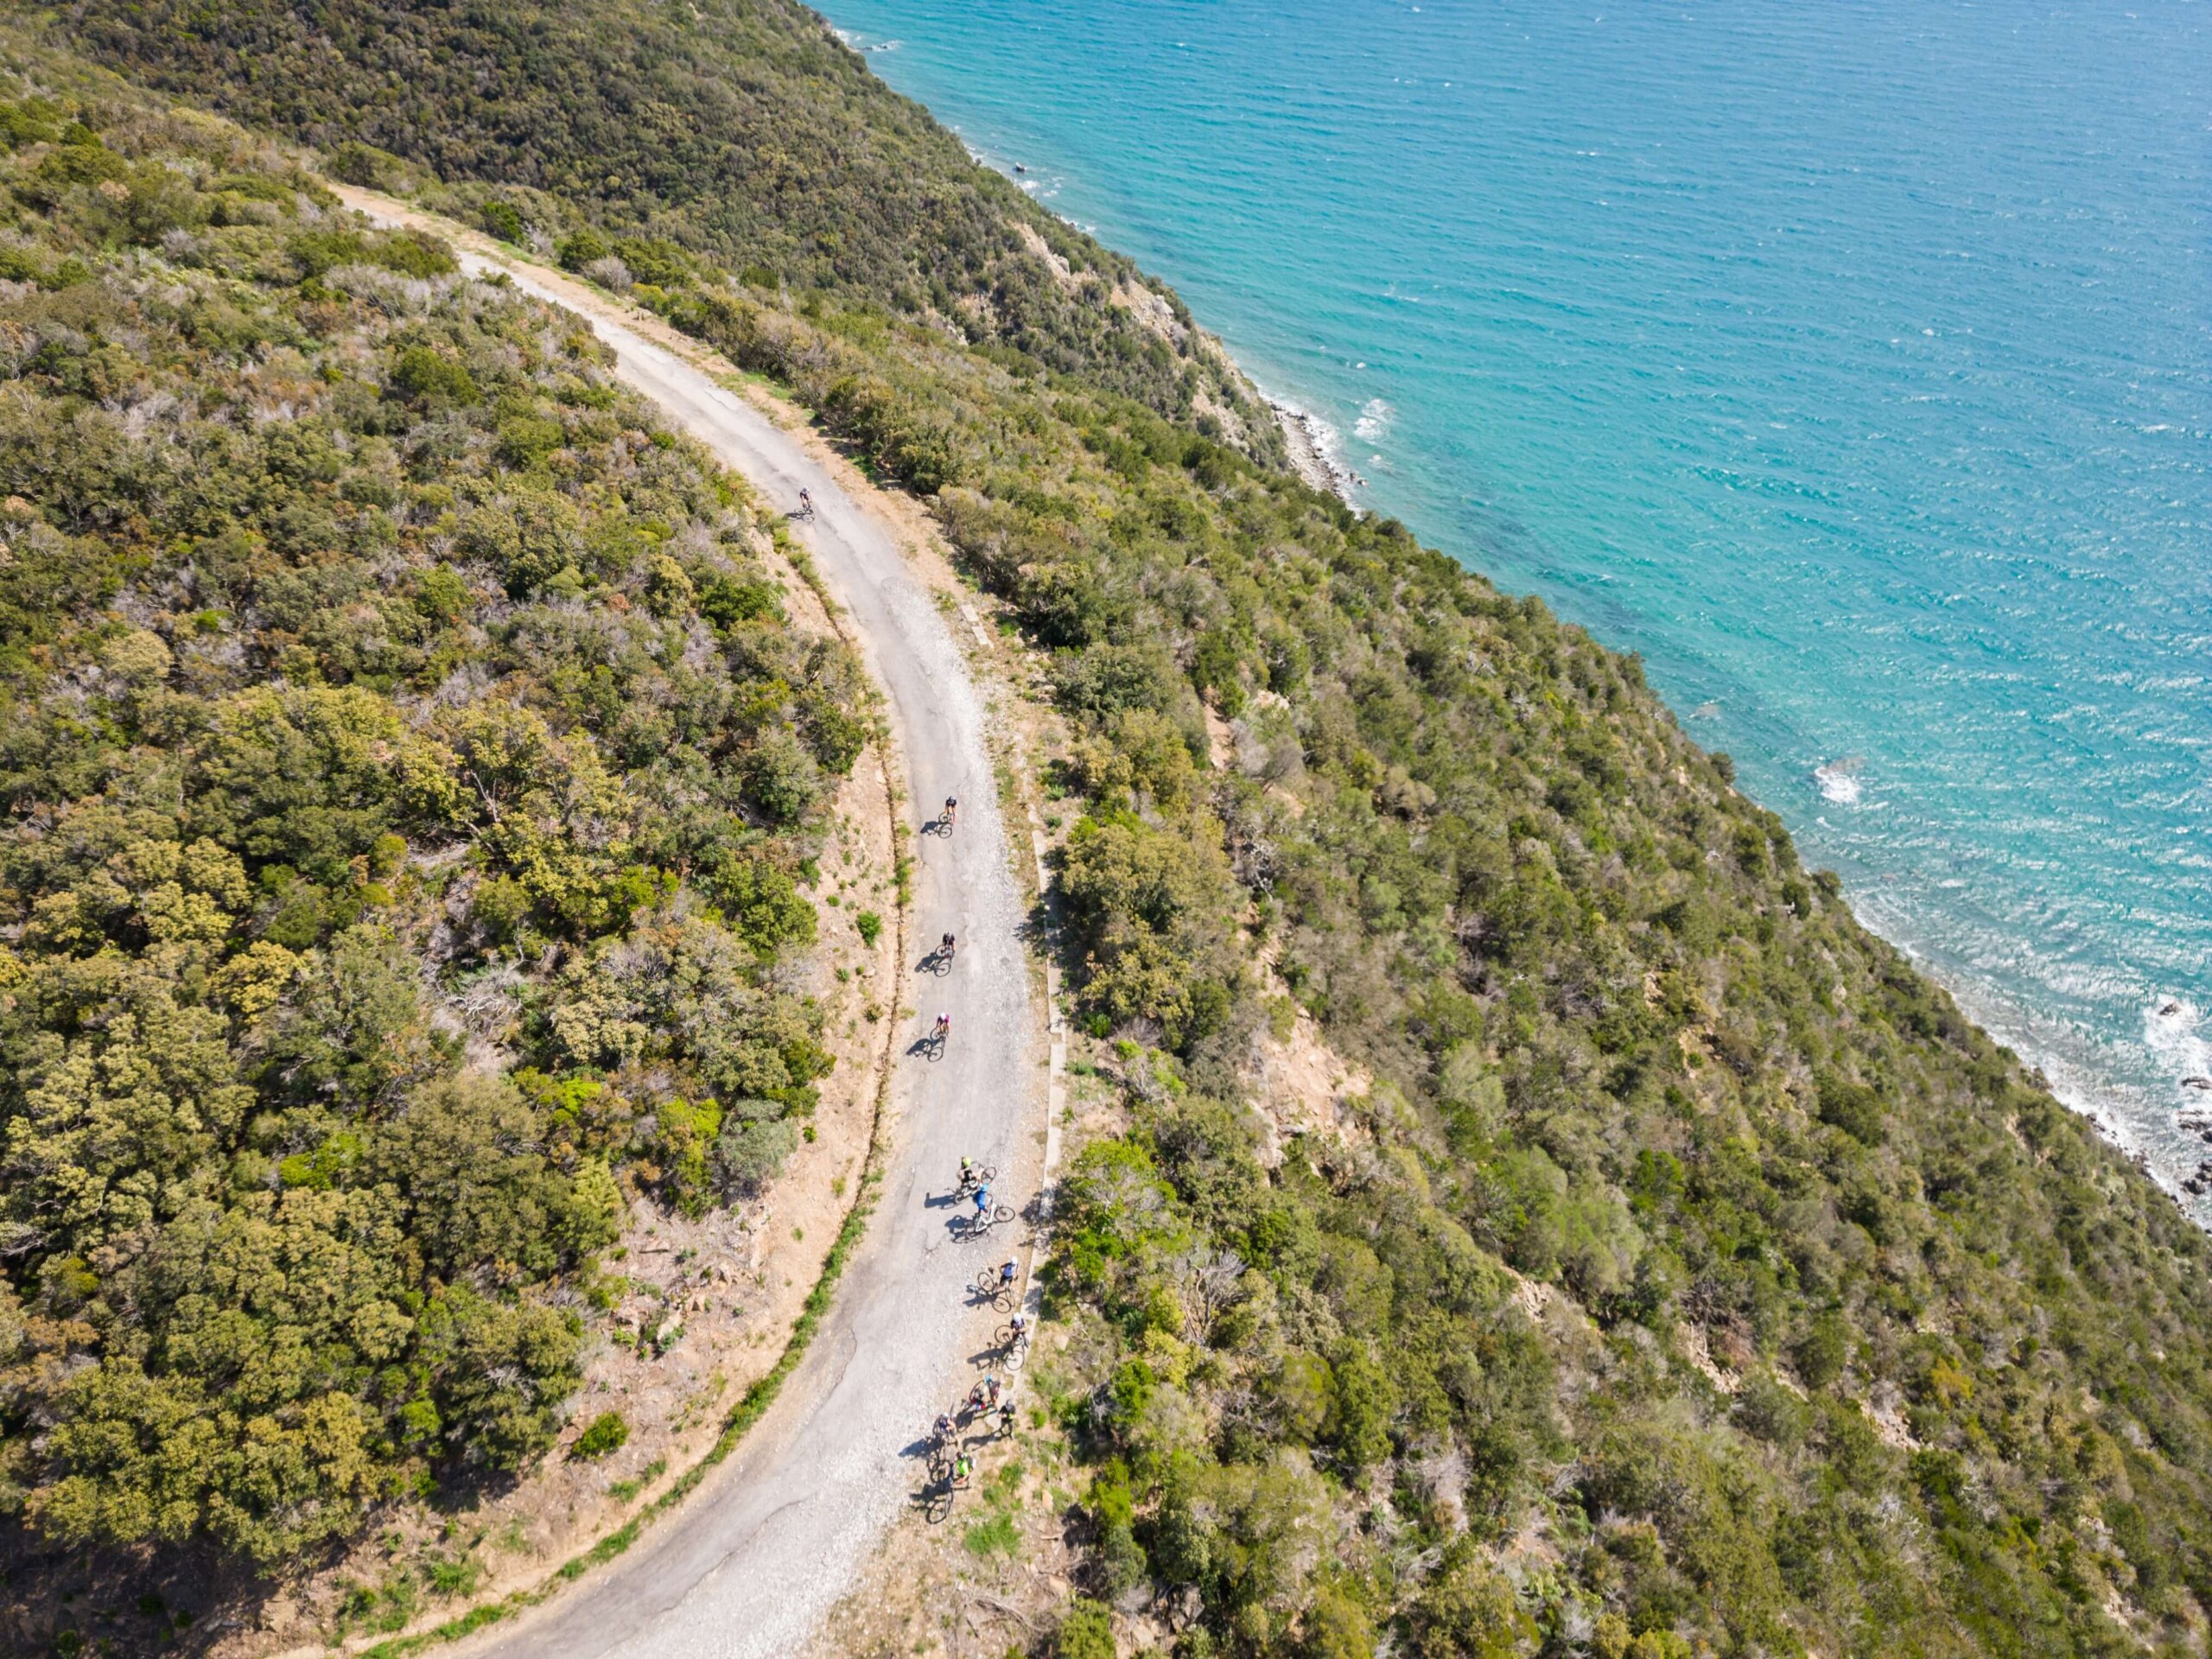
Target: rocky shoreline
{"x":1310,"y":455}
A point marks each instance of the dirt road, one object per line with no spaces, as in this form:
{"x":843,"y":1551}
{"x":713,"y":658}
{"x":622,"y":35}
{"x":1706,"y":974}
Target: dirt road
{"x":754,"y":1560}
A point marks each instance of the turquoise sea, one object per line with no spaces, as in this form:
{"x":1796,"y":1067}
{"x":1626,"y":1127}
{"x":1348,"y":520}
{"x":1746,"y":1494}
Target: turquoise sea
{"x":1852,"y":361}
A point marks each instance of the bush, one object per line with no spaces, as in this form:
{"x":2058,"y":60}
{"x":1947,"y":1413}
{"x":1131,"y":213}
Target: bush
{"x":606,"y":1433}
{"x":782,"y":779}
{"x":1087,"y":1632}
{"x":353,"y":162}
{"x":750,"y":1153}
{"x":583,"y":250}
{"x":429,"y":377}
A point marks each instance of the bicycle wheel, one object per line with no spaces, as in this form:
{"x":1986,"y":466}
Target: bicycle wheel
{"x":1002,"y":1213}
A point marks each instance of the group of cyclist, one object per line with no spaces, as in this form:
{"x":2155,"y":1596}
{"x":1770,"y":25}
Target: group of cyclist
{"x":941,"y":1031}
{"x":988,"y":1400}
{"x":990,"y":1403}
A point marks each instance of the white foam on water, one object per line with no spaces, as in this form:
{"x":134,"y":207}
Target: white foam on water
{"x":1838,"y":782}
{"x":1374,"y":422}
{"x":2173,"y":1029}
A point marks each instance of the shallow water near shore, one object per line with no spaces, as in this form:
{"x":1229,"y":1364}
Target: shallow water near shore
{"x":1853,"y":363}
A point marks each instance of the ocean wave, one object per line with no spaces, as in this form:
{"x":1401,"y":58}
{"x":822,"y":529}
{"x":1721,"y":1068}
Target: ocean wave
{"x":1838,"y":782}
{"x":1373,"y":422}
{"x":2173,"y":1031}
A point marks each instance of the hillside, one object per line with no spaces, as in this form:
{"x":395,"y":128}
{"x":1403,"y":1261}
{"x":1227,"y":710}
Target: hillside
{"x":411,"y":778}
{"x":1694,"y":1277}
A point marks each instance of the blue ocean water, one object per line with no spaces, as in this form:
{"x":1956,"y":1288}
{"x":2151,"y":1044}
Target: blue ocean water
{"x":1851,"y":361}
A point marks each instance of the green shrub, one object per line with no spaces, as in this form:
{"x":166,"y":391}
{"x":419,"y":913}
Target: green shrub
{"x":426,"y":376}
{"x":607,"y":1433}
{"x":1087,"y":1632}
{"x":995,"y":1536}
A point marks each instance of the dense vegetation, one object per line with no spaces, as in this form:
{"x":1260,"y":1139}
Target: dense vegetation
{"x":1694,"y":1277}
{"x":407,"y":775}
{"x":735,"y":131}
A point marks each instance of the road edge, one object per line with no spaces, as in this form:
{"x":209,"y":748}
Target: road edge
{"x":764,"y":1391}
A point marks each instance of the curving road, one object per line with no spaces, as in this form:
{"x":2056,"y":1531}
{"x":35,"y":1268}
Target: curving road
{"x":749,"y":1566}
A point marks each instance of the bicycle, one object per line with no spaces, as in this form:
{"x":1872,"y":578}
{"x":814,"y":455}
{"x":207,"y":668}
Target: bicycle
{"x":989,"y":1287}
{"x":979,"y":1225}
{"x":1011,"y":1340}
{"x":948,"y":815}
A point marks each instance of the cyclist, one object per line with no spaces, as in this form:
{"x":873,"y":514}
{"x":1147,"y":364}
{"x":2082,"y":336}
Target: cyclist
{"x":1006,"y":1418}
{"x":1018,"y":1324}
{"x":951,"y":810}
{"x":944,"y":947}
{"x":1006,"y":1275}
{"x":968,"y":1173}
{"x":941,"y":1433}
{"x":944,"y":1028}
{"x":963,"y":1467}
{"x":805,"y":504}
{"x":982,"y":1204}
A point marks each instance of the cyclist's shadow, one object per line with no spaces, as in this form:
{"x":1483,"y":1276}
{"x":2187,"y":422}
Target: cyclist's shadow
{"x":930,"y":1046}
{"x":934,"y":1500}
{"x":939,"y":961}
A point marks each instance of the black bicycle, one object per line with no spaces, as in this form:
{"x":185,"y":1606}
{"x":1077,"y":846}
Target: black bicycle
{"x":941,"y":1455}
{"x":999,"y":1293}
{"x":935,"y":1499}
{"x":1012,"y":1340}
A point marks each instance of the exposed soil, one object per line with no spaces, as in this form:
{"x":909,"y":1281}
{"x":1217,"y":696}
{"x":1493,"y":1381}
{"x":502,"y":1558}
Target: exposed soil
{"x":987,"y":1576}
